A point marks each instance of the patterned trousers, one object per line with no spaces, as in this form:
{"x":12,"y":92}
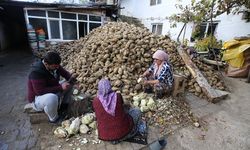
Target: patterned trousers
{"x":160,"y":89}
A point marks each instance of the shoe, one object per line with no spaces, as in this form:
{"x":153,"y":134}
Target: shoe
{"x":58,"y":121}
{"x":29,"y":108}
{"x":115,"y":142}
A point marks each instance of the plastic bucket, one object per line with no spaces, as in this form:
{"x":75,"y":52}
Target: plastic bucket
{"x":41,"y":45}
{"x":32,"y":35}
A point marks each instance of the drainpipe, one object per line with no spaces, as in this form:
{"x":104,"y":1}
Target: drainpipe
{"x":178,"y":41}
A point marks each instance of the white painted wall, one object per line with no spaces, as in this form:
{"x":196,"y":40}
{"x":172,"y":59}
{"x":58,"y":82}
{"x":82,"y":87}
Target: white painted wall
{"x":156,"y":14}
{"x":229,"y":26}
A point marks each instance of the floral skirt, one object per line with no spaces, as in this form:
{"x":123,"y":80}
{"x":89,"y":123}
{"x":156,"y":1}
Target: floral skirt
{"x":159,"y":89}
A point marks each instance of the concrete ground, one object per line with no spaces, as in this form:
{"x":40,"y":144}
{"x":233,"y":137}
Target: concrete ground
{"x":224,"y":126}
{"x":15,"y":128}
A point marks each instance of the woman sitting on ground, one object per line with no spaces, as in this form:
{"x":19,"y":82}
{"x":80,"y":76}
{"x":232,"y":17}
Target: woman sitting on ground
{"x":159,"y":77}
{"x":113,"y":122}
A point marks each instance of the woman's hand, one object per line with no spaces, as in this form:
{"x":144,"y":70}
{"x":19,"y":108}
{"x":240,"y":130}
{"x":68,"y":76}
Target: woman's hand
{"x":146,"y":73}
{"x":151,"y":82}
{"x":145,"y":82}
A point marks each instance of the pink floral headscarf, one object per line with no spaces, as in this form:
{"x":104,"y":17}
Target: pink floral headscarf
{"x":161,"y":55}
{"x":106,"y":96}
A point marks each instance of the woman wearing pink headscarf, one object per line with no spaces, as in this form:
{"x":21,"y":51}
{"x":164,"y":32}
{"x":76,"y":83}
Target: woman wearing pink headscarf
{"x":159,"y":76}
{"x":114,"y":123}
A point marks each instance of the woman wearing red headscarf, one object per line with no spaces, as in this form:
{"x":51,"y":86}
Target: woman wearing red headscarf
{"x":114,"y":123}
{"x":159,"y":76}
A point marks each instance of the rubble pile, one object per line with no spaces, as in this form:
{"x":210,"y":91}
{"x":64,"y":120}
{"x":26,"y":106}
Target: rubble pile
{"x":164,"y":113}
{"x":122,"y":52}
{"x":170,"y":113}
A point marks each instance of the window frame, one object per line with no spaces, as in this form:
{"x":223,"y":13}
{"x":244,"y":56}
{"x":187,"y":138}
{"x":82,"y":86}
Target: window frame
{"x":156,"y":28}
{"x":203,"y":33}
{"x":155,"y":2}
{"x":60,"y":19}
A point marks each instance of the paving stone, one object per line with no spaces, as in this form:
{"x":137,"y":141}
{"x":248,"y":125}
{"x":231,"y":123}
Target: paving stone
{"x":32,"y":143}
{"x":20,"y":145}
{"x":3,"y":146}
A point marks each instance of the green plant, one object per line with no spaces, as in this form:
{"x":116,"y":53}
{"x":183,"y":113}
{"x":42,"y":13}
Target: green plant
{"x":206,"y":43}
{"x":196,"y":33}
{"x":203,"y":10}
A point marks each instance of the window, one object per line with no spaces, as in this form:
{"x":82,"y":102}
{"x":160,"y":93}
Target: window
{"x":40,"y":13}
{"x":83,"y":28}
{"x":68,"y":16}
{"x":54,"y":29}
{"x":60,"y":25}
{"x":39,"y":23}
{"x":157,"y":28}
{"x":82,"y":17}
{"x":155,"y":2}
{"x":53,"y":14}
{"x":93,"y":25}
{"x":214,"y":25}
{"x":203,"y":30}
{"x":69,"y":30}
{"x":95,"y":18}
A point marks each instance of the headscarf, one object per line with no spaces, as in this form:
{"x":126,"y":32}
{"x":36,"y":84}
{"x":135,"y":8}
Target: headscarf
{"x":161,"y":55}
{"x":106,"y":96}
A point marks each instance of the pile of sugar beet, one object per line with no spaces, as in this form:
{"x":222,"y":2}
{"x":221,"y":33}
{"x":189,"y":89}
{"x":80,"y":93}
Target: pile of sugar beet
{"x":122,"y":52}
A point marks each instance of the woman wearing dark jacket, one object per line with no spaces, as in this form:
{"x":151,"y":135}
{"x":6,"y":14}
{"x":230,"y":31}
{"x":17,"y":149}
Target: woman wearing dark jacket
{"x":113,"y":122}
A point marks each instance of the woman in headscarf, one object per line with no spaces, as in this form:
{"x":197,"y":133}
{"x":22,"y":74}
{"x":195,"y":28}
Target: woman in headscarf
{"x":159,"y":76}
{"x":114,"y":123}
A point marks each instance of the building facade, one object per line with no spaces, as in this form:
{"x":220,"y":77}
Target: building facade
{"x":154,"y":15}
{"x":58,"y":21}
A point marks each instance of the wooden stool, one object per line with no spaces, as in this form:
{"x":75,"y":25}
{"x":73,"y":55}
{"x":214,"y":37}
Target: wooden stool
{"x":38,"y":117}
{"x":179,"y":85}
{"x":35,"y":116}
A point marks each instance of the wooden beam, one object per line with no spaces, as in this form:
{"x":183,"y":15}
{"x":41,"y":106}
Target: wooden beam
{"x":213,"y":94}
{"x":213,"y":62}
